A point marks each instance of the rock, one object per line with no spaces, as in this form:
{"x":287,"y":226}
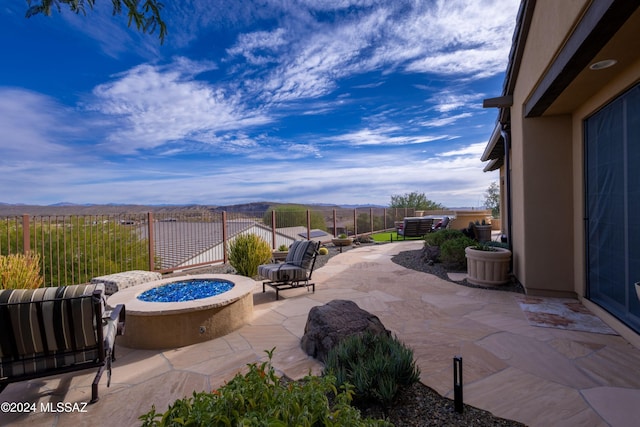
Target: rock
{"x":328,"y":324}
{"x":431,"y":254}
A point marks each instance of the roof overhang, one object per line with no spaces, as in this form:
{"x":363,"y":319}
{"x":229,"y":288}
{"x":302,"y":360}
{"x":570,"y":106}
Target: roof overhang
{"x":495,"y":147}
{"x":494,"y":164}
{"x":608,"y":29}
{"x":499,"y":102}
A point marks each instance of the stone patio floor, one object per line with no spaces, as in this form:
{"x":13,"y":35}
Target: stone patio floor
{"x":538,"y":376}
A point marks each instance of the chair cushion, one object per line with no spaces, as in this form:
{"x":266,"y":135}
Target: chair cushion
{"x":119,"y":281}
{"x":297,"y":265}
{"x":301,"y":253}
{"x":47,"y":327}
{"x":282,"y":272}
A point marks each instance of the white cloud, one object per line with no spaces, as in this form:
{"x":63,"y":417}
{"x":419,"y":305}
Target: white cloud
{"x":445,"y":120}
{"x":473,"y":150}
{"x":155,"y":105}
{"x":384,"y":136}
{"x":258,"y":48}
{"x":448,"y":100}
{"x":34,"y":126}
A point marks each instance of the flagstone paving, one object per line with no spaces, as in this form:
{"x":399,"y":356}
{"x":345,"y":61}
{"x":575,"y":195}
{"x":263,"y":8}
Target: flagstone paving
{"x":538,"y":376}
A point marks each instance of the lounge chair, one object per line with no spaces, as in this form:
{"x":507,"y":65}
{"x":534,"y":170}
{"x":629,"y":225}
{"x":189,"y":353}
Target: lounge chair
{"x":415,"y":227}
{"x":295,"y":271}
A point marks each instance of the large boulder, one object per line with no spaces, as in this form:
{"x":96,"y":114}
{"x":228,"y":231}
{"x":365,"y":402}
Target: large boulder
{"x":328,"y":324}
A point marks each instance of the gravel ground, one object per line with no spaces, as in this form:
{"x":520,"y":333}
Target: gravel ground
{"x":417,"y":405}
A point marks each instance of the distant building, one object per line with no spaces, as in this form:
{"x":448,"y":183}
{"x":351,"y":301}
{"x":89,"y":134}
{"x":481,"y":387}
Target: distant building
{"x":183,"y":244}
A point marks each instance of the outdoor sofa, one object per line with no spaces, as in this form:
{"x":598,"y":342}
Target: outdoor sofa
{"x":415,"y":227}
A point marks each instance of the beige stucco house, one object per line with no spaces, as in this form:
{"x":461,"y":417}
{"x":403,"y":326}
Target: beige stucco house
{"x":567,"y":144}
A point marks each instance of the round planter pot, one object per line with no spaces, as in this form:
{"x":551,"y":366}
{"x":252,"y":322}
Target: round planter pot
{"x":342,"y":242}
{"x":488,"y":268}
{"x":279,"y":255}
{"x":483,"y":233}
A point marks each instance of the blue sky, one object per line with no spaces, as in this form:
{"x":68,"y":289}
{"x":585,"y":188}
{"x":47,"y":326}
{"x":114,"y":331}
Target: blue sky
{"x":336,"y":101}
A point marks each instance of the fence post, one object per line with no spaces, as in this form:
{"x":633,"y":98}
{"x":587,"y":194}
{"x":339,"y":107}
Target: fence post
{"x":224,"y":237}
{"x":26,"y":234}
{"x":308,"y":224}
{"x":355,"y":222}
{"x":273,"y":229}
{"x":371,"y":219}
{"x":335,"y":224}
{"x":152,"y":254}
{"x":384,"y":216}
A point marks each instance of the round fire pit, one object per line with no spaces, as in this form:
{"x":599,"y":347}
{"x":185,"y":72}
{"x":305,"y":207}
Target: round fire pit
{"x":202,"y":307}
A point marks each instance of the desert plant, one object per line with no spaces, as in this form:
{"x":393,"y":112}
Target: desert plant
{"x":452,"y":252}
{"x":283,"y":248}
{"x":323,"y":251}
{"x":20,"y":271}
{"x":495,"y":244}
{"x":378,"y":366}
{"x":247,"y":252}
{"x":441,"y":236}
{"x":261,"y":398}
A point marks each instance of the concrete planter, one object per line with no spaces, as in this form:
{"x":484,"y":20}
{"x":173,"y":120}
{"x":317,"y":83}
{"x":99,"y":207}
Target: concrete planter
{"x":342,"y":242}
{"x":483,"y":233}
{"x":280,"y":255}
{"x":488,"y":268}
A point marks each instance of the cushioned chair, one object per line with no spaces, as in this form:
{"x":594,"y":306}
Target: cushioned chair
{"x":55,"y":330}
{"x":415,"y":227}
{"x":295,"y":271}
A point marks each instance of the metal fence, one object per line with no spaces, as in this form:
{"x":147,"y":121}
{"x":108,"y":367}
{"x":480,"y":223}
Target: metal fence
{"x":75,"y":248}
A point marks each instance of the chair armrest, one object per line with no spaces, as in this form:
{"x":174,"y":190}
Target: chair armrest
{"x":117,"y":314}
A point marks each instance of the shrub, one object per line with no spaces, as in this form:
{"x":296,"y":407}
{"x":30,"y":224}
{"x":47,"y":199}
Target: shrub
{"x":247,"y":252}
{"x":323,"y":251}
{"x":283,"y":248}
{"x":377,"y":366}
{"x":452,"y":252}
{"x":18,"y":271}
{"x":441,"y":236}
{"x":494,"y":244}
{"x":261,"y":398}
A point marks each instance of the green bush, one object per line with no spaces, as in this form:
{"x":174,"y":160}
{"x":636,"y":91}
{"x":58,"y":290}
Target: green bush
{"x":376,"y":365}
{"x":18,"y":271}
{"x":323,"y":251}
{"x":494,"y":244}
{"x":452,"y":252}
{"x":247,"y":252}
{"x":261,"y":398}
{"x":441,"y":236}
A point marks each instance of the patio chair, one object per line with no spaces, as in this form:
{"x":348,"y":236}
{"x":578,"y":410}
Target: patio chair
{"x":415,"y":227}
{"x":52,"y":331}
{"x":295,"y":271}
{"x":443,"y":224}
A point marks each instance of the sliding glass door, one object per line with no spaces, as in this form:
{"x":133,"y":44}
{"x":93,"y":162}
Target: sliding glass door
{"x":612,"y":220}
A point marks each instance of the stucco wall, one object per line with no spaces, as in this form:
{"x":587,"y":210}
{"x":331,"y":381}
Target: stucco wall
{"x":542,"y":165}
{"x":548,"y":205}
